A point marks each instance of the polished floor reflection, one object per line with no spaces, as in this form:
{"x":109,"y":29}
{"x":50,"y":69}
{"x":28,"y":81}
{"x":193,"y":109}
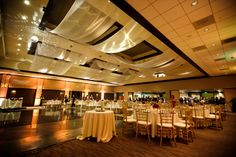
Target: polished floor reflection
{"x":23,"y":130}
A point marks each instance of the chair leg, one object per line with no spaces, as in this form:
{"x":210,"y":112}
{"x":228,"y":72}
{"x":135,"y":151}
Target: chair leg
{"x":161,"y":138}
{"x":148,"y":130}
{"x":187,"y":136}
{"x":137,"y":131}
{"x":173,"y":135}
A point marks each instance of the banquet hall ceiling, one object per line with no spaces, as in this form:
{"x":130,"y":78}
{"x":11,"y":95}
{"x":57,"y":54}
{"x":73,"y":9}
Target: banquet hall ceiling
{"x":118,"y":42}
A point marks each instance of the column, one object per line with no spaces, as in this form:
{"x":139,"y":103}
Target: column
{"x":67,"y":89}
{"x":102,"y":92}
{"x":38,"y":92}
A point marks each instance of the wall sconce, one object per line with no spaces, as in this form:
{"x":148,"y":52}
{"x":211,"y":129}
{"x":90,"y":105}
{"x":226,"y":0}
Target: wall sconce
{"x":194,"y":2}
{"x":4,"y":85}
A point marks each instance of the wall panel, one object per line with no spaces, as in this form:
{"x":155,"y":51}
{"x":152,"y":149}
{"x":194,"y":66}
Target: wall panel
{"x":54,"y":84}
{"x":23,"y":82}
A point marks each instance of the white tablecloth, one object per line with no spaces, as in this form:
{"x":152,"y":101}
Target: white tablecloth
{"x":99,"y":124}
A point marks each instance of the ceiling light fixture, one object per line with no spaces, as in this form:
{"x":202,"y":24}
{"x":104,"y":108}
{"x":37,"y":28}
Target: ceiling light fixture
{"x":19,"y":44}
{"x":27,"y":2}
{"x":142,"y":76}
{"x":23,"y":17}
{"x":206,"y":29}
{"x":34,"y":38}
{"x":194,"y":2}
{"x":17,"y":49}
{"x":87,"y":78}
{"x":185,"y":73}
{"x":44,"y":70}
{"x":159,"y":74}
{"x":20,"y":38}
{"x":213,"y":44}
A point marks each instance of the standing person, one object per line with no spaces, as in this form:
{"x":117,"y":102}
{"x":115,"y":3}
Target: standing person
{"x":66,"y":100}
{"x":73,"y":101}
{"x":173,"y":101}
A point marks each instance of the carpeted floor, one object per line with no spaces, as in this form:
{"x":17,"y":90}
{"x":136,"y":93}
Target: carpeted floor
{"x":208,"y":143}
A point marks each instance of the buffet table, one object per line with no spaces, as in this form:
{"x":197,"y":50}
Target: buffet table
{"x":99,"y":124}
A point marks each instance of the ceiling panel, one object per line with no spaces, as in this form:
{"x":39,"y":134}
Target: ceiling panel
{"x":200,"y":13}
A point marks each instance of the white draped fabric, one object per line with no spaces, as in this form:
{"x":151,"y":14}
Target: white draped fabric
{"x":60,"y":53}
{"x":129,"y":36}
{"x":83,"y":23}
{"x":43,"y":65}
{"x":50,"y":51}
{"x":155,"y":61}
{"x":106,"y":65}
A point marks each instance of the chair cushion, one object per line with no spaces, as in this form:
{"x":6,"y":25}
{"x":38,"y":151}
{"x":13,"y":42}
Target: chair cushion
{"x":199,"y":117}
{"x":144,"y":123}
{"x":167,"y":125}
{"x":212,"y":116}
{"x":181,"y":125}
{"x":131,"y":120}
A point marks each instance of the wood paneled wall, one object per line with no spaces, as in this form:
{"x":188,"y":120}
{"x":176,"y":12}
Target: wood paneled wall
{"x":23,"y":82}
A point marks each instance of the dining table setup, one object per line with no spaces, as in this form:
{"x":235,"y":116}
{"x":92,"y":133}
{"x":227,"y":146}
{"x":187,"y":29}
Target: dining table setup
{"x":163,"y":121}
{"x":100,"y":124}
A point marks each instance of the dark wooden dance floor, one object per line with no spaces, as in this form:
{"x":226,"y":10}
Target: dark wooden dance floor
{"x":208,"y":143}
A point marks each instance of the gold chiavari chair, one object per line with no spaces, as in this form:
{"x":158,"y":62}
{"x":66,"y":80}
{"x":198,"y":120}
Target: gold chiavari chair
{"x":129,"y":123}
{"x":143,"y":124}
{"x":186,"y":128}
{"x":199,"y":116}
{"x":165,"y":128}
{"x":216,"y":118}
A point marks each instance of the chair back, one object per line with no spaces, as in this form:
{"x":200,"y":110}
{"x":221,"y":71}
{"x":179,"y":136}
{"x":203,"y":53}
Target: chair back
{"x":166,"y":116}
{"x":125,"y":113}
{"x":218,"y":111}
{"x":142,"y":115}
{"x":199,"y":111}
{"x":189,"y":118}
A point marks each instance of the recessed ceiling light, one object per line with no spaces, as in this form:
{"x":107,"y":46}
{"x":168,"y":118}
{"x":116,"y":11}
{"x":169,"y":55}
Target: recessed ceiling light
{"x":185,"y":73}
{"x":23,"y":17}
{"x":17,"y":49}
{"x":44,"y":70}
{"x":206,"y":29}
{"x":87,"y":78}
{"x":34,"y":18}
{"x":213,"y":44}
{"x":142,"y":76}
{"x":19,"y":44}
{"x":20,"y":38}
{"x":27,"y":2}
{"x":194,"y":2}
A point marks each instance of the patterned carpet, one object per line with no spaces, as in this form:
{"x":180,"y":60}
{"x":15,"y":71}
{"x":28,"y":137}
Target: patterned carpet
{"x":208,"y":143}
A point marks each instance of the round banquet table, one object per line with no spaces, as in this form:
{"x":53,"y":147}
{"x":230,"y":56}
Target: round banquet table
{"x":99,"y":124}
